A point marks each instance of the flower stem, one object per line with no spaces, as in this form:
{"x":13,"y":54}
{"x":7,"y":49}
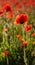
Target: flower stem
{"x":7,"y":61}
{"x":25,"y":59}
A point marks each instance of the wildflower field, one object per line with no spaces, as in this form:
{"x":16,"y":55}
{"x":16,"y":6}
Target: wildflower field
{"x":17,"y":32}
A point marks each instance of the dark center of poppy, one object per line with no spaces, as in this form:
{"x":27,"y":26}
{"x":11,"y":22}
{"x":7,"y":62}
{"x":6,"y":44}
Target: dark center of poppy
{"x":21,"y":21}
{"x":8,"y":9}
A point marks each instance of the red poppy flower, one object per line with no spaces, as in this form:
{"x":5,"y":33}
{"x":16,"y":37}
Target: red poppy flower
{"x":6,"y":30}
{"x":10,"y":16}
{"x":3,"y":3}
{"x":6,"y":53}
{"x":19,"y":10}
{"x":28,"y":28}
{"x":1,"y":12}
{"x":21,"y":19}
{"x":24,"y":44}
{"x":18,"y":36}
{"x":7,"y":8}
{"x":33,"y":34}
{"x":33,"y":43}
{"x":22,"y":40}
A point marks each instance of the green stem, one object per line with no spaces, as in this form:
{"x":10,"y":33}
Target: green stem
{"x":3,"y":38}
{"x":25,"y":59}
{"x":7,"y":61}
{"x":22,"y":30}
